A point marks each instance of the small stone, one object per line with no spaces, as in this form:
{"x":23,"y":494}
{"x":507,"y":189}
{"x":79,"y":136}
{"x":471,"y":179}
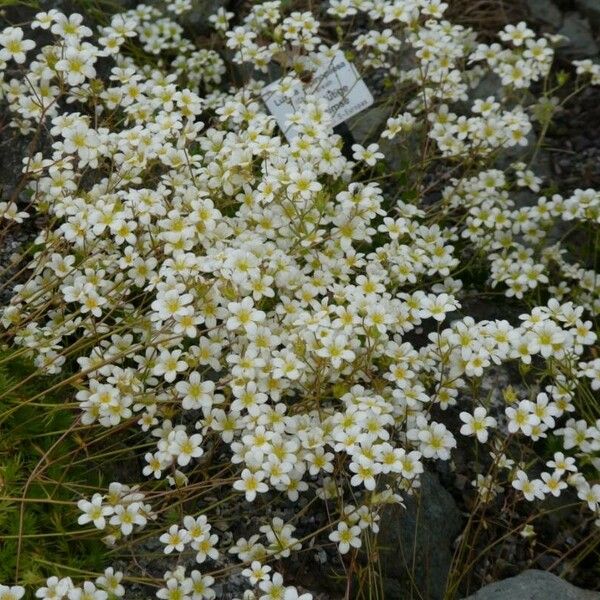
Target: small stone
{"x":533,"y":585}
{"x":581,"y":42}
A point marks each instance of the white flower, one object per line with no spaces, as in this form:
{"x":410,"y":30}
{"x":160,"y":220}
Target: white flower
{"x":111,"y":581}
{"x":257,"y":572}
{"x":13,"y":45}
{"x":94,"y":511}
{"x":438,"y":306}
{"x":55,"y":588}
{"x":244,"y":315}
{"x":176,"y":589}
{"x":201,"y":589}
{"x":522,"y":418}
{"x":70,"y":28}
{"x":287,"y":365}
{"x":13,"y":592}
{"x":171,"y":304}
{"x":561,"y":464}
{"x":195,"y":392}
{"x":553,"y":484}
{"x":77,"y":65}
{"x":128,"y":516}
{"x":174,"y":539}
{"x":335,"y":348}
{"x":44,"y":20}
{"x":346,"y":537}
{"x":477,"y":423}
{"x":531,"y":488}
{"x":590,"y":494}
{"x":251,"y":484}
{"x":369,"y":155}
{"x":365,"y":472}
{"x":516,"y":34}
{"x":168,"y":364}
{"x":88,"y":592}
{"x":435,"y":440}
{"x":303,"y":184}
{"x":184,"y":447}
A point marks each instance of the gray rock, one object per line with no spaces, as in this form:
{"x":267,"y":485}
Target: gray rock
{"x":489,"y":85}
{"x":416,"y":543}
{"x":533,"y":585}
{"x":541,"y":166}
{"x":546,"y":12}
{"x":15,"y":239}
{"x":581,"y":42}
{"x":197,"y":18}
{"x":591,"y":9}
{"x":367,"y":125}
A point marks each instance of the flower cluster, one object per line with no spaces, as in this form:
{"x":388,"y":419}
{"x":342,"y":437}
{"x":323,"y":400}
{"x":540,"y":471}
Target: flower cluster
{"x":271,"y":308}
{"x":104,"y":587}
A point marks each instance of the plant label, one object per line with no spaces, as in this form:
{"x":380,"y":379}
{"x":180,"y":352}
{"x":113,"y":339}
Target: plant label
{"x":337,"y":82}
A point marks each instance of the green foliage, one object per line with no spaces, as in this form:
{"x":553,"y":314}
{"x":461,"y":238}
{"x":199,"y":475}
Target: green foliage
{"x":29,"y":3}
{"x":38,"y":483}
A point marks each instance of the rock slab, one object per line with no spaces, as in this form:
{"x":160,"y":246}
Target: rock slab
{"x":581,"y":40}
{"x":415,"y":543}
{"x":533,"y":585}
{"x":196,"y":19}
{"x":591,"y":9}
{"x":546,"y":12}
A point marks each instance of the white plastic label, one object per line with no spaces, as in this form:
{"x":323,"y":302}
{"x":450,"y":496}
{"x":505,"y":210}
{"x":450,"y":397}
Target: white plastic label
{"x":337,"y":81}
